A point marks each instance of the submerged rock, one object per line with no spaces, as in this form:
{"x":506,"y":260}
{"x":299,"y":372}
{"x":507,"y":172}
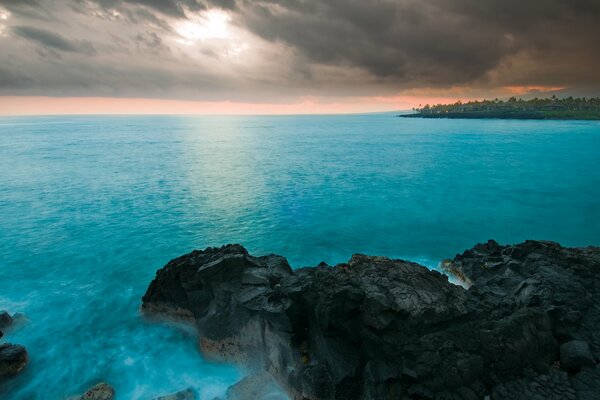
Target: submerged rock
{"x":8,"y":322}
{"x":376,"y":328}
{"x":187,"y":394}
{"x":100,"y":391}
{"x":256,"y":386}
{"x":5,"y":319}
{"x":13,"y":359}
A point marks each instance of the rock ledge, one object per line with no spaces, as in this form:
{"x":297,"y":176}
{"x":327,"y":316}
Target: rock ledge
{"x":377,"y":328}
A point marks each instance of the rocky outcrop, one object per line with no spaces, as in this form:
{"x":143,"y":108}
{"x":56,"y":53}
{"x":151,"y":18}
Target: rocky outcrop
{"x":376,"y":328}
{"x":13,"y":357}
{"x":5,"y":319}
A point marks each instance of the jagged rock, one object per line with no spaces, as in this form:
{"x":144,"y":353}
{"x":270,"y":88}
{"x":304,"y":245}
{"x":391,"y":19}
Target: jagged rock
{"x":576,"y":354}
{"x":5,"y":320}
{"x":376,"y":328}
{"x":13,"y":359}
{"x":187,"y":394}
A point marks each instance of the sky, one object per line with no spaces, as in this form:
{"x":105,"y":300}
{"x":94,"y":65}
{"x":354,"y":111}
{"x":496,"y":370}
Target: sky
{"x":289,"y":56}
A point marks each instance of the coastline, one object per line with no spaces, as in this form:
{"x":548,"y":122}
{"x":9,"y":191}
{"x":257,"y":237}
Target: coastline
{"x":516,"y":116}
{"x":378,"y":328}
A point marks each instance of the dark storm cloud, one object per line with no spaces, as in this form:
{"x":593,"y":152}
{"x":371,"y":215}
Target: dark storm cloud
{"x":30,"y":9}
{"x":13,"y":79}
{"x":443,"y":42}
{"x":173,"y":8}
{"x":54,"y":40}
{"x":169,"y":7}
{"x":177,"y":7}
{"x":15,"y":4}
{"x":304,"y":47}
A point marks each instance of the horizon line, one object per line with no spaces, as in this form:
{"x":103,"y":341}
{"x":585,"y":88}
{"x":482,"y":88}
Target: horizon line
{"x":15,"y":106}
{"x":204,"y":115}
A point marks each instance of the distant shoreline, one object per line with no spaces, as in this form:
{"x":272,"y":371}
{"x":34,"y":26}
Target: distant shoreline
{"x":551,"y":109}
{"x":479,"y":115}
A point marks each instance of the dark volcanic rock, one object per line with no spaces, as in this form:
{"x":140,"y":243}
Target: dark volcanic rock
{"x":5,"y":319}
{"x":376,"y":328}
{"x":576,"y":354}
{"x":13,"y":359}
{"x":187,"y":394}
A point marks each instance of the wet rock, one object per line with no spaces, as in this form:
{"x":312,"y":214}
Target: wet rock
{"x":187,"y":394}
{"x":587,"y":383}
{"x":576,"y":354}
{"x":256,"y":386}
{"x":13,"y":359}
{"x":100,"y":391}
{"x":5,"y":320}
{"x":377,"y":328}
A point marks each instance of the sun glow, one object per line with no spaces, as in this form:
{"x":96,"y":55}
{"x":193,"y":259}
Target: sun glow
{"x":4,"y":14}
{"x":212,"y":24}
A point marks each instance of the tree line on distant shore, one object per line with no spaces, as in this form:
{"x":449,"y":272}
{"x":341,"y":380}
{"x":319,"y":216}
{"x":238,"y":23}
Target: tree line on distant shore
{"x":536,"y":108}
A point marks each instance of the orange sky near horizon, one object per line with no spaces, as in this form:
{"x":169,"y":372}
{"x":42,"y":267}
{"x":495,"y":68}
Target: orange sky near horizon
{"x":45,"y":105}
{"x":40,"y":105}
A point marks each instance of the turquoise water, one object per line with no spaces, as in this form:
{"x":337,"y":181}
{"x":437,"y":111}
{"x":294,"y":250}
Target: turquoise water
{"x":90,"y":207}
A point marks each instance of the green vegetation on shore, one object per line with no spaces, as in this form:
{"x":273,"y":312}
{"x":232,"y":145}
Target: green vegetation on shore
{"x":513,"y":108}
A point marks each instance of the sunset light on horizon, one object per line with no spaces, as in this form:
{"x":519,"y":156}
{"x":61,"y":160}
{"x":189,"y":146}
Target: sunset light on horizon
{"x":208,"y":57}
{"x":40,"y":105}
{"x":45,"y":105}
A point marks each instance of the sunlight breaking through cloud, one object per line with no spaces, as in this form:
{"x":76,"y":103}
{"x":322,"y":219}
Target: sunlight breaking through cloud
{"x":211,"y":24}
{"x":4,"y":14}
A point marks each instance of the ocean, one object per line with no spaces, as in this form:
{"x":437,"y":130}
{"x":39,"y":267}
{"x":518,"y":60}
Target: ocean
{"x":92,"y":206}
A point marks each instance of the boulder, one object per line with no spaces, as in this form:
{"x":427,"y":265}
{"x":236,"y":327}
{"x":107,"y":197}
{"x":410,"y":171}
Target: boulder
{"x":379,"y":328}
{"x":5,"y":320}
{"x":576,"y":354}
{"x":13,"y":359}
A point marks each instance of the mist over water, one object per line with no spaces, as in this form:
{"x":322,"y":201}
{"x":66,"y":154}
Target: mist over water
{"x":91,"y":207}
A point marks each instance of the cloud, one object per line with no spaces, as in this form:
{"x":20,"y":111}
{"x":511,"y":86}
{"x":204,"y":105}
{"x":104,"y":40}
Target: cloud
{"x":54,"y":40}
{"x":168,"y":7}
{"x":280,"y":50}
{"x":16,"y":4}
{"x":439,"y":42}
{"x":150,"y":42}
{"x":172,"y":8}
